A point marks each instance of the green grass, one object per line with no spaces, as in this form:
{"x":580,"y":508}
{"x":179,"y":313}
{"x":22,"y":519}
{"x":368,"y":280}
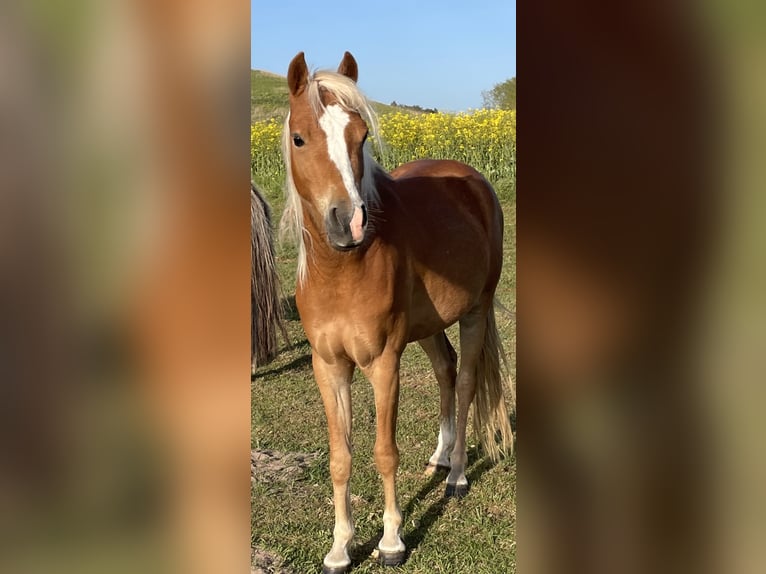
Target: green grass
{"x":268,"y":96}
{"x":295,"y":520}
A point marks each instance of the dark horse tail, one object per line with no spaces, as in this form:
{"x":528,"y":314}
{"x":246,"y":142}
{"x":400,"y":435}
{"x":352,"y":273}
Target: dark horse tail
{"x":264,"y":283}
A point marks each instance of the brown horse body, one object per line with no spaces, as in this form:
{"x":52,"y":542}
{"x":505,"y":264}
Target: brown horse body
{"x":387,"y":260}
{"x":422,"y":270}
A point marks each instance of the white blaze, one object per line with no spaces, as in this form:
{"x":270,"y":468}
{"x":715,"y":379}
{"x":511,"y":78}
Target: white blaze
{"x":333,"y":122}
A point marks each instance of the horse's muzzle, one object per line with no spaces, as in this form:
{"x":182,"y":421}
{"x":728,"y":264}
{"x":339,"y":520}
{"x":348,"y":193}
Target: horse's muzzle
{"x":345,"y":226}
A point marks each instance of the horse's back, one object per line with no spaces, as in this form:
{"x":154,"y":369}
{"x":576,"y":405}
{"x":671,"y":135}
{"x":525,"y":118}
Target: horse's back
{"x":449,"y":192}
{"x":434,"y":168}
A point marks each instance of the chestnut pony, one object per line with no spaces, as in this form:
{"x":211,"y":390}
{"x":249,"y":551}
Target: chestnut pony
{"x":384,"y":260}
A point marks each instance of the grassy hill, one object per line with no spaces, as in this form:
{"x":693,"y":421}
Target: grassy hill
{"x":269,"y":98}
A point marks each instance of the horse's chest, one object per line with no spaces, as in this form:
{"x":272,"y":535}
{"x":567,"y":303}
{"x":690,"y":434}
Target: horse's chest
{"x":359,"y":331}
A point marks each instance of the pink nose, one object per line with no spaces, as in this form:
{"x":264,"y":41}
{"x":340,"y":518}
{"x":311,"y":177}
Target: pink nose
{"x":345,"y":226}
{"x":357,"y":223}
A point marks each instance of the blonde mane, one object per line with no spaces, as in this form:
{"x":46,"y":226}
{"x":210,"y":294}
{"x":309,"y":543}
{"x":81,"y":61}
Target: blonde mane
{"x":349,"y":98}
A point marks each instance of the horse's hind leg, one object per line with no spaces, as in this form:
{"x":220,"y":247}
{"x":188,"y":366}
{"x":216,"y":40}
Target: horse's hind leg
{"x":444,"y":361}
{"x":472,"y":329}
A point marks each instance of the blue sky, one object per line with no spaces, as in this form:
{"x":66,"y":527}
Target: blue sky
{"x":430,"y":53}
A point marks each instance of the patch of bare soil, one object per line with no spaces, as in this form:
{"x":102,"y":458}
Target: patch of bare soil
{"x":270,"y":466}
{"x":262,"y":562}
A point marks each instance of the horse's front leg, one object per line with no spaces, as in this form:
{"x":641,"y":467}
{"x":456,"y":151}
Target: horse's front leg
{"x":334,"y":381}
{"x":384,"y":376}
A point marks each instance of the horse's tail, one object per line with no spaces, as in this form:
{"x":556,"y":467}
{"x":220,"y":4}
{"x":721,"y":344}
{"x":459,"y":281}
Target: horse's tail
{"x":264,"y":283}
{"x":491,"y":420}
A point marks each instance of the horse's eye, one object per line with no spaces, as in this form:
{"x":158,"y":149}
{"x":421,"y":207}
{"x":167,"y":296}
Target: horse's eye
{"x":298,"y":140}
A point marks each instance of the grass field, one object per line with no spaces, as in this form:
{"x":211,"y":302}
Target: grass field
{"x":292,"y":512}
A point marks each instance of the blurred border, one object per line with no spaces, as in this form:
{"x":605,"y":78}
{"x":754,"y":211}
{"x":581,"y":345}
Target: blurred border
{"x":125,"y":250}
{"x":640,"y":287}
{"x":124,"y":352}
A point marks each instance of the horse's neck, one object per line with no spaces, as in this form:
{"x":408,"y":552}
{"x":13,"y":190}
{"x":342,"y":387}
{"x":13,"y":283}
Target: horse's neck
{"x":325,"y":263}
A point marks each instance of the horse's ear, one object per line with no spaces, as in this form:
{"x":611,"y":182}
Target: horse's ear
{"x":348,"y":67}
{"x":297,"y":74}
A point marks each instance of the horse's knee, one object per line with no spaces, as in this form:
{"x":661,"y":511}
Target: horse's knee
{"x":386,"y":457}
{"x":340,"y":467}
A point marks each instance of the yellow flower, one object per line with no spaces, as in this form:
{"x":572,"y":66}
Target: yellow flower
{"x":484,"y":139}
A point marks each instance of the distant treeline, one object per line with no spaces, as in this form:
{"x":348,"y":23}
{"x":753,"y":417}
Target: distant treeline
{"x":415,"y":108}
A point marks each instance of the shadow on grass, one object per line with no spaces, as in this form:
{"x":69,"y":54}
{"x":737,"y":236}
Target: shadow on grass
{"x":299,"y":363}
{"x":290,"y":314}
{"x":476,"y":467}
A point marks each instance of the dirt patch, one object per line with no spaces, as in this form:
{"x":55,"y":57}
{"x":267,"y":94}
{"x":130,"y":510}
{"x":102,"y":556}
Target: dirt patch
{"x":270,"y":466}
{"x":262,"y":562}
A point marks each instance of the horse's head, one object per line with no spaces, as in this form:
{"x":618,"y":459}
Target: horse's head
{"x":324,"y":149}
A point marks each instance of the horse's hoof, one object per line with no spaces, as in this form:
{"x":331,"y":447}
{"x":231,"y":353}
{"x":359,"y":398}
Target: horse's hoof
{"x":456,"y":490}
{"x":335,"y":570}
{"x":391,"y":558}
